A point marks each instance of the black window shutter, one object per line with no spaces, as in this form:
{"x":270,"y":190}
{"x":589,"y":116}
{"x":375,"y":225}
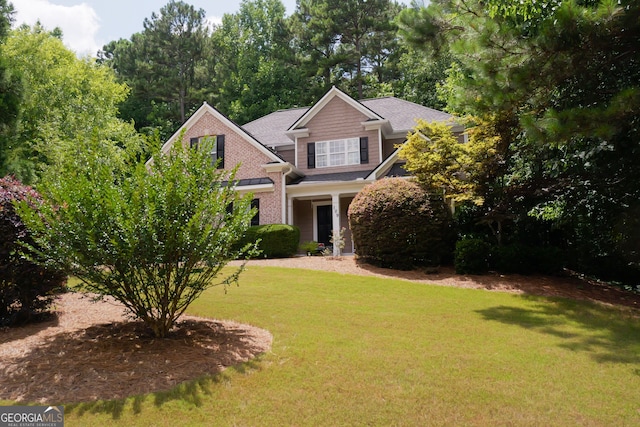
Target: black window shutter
{"x":220,"y":150}
{"x":311,"y":155}
{"x":193,"y":142}
{"x":364,"y":149}
{"x":255,"y":203}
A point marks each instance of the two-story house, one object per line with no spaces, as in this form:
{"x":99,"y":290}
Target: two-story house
{"x":305,"y":165}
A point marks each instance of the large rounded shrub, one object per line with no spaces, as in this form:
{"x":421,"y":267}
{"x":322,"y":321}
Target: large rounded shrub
{"x":396,"y":224}
{"x":26,"y":288}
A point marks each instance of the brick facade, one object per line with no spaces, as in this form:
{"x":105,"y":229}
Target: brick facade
{"x":238,"y":151}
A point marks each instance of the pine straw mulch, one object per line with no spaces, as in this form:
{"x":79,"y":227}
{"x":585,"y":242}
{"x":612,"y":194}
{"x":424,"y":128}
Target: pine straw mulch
{"x":89,"y":351}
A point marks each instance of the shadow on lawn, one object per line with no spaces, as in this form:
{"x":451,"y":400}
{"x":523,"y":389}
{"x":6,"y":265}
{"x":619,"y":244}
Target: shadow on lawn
{"x":610,"y":335}
{"x":189,"y":392}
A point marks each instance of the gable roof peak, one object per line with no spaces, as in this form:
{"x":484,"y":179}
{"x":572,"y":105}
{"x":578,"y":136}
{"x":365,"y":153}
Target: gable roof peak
{"x":223,"y":119}
{"x":332,"y":93}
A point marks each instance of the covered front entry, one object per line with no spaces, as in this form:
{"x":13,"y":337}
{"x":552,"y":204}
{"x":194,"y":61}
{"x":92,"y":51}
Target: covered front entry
{"x":319,"y":209}
{"x":317,"y":218}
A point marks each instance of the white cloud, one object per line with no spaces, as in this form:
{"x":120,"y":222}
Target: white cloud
{"x":213,"y":21}
{"x":79,"y":23}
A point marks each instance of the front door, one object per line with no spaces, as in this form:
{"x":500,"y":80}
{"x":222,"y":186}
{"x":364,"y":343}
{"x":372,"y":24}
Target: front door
{"x":325,"y":224}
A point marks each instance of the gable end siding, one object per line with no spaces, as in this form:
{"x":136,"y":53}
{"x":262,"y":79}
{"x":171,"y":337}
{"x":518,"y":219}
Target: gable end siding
{"x":338,"y":120}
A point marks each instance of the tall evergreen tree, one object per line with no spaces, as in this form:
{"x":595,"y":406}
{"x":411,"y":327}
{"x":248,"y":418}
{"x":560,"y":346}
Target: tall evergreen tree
{"x":560,"y":79}
{"x":342,"y":42}
{"x":173,"y":45}
{"x":161,"y":65}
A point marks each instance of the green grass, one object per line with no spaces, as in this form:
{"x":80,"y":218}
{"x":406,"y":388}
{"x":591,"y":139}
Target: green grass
{"x":367,"y":351}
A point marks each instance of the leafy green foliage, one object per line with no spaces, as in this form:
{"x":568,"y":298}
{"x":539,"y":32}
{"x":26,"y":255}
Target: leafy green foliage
{"x":10,"y":90}
{"x":65,"y":101}
{"x":153,"y":236}
{"x":527,"y":259}
{"x":257,"y":60}
{"x":547,"y":75}
{"x":420,"y":76}
{"x":441,"y":162}
{"x":255,"y":69}
{"x":396,"y":224}
{"x":273,"y":240}
{"x":477,"y":256}
{"x":26,"y":288}
{"x":471,"y":256}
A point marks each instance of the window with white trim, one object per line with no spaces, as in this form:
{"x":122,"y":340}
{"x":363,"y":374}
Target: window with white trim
{"x":340,"y":152}
{"x":217,"y":151}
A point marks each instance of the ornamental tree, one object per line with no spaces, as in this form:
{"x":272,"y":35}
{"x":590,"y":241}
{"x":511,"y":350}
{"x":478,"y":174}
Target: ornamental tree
{"x":441,"y":163}
{"x":153,"y":237}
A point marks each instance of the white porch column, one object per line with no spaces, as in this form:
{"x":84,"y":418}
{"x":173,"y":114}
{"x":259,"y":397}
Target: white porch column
{"x":335,"y":203}
{"x":289,"y":210}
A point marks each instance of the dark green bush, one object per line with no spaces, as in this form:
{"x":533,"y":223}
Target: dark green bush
{"x":525,"y":259}
{"x":396,"y":224}
{"x":471,"y":256}
{"x":26,"y":288}
{"x":276,"y":240}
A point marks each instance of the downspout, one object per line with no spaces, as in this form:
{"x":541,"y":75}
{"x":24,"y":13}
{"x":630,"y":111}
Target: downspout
{"x":380,"y":143}
{"x":284,"y":195}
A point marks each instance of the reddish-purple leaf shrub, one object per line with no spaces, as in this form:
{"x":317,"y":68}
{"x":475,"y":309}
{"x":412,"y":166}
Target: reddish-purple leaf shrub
{"x":396,"y":224}
{"x":26,"y":288}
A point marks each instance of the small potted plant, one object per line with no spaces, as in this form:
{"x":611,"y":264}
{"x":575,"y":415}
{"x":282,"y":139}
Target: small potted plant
{"x":310,"y":248}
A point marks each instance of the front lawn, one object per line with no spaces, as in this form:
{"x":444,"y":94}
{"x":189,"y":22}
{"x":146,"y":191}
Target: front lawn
{"x":352,"y":350}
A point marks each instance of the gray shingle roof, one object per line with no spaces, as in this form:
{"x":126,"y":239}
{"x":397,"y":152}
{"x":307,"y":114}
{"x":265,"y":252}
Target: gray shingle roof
{"x":397,"y":170}
{"x":270,"y":129}
{"x":402,"y":114}
{"x":250,"y":181}
{"x":340,"y":176}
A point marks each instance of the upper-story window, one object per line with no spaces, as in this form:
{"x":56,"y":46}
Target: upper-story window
{"x":340,"y":152}
{"x":217,"y":151}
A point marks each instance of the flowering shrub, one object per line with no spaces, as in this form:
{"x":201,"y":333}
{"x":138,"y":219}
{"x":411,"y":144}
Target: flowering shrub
{"x":26,"y":287}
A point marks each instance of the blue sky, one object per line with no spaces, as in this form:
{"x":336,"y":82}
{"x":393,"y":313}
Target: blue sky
{"x":87,"y":25}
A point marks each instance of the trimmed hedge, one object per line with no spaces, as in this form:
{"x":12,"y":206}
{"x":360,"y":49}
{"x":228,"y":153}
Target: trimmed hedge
{"x":396,"y":224}
{"x":471,"y":256}
{"x":476,"y":256}
{"x":525,"y":259}
{"x":276,"y":240}
{"x":26,"y":288}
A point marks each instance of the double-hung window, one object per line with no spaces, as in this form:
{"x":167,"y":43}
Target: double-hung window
{"x":217,"y":150}
{"x":341,"y":152}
